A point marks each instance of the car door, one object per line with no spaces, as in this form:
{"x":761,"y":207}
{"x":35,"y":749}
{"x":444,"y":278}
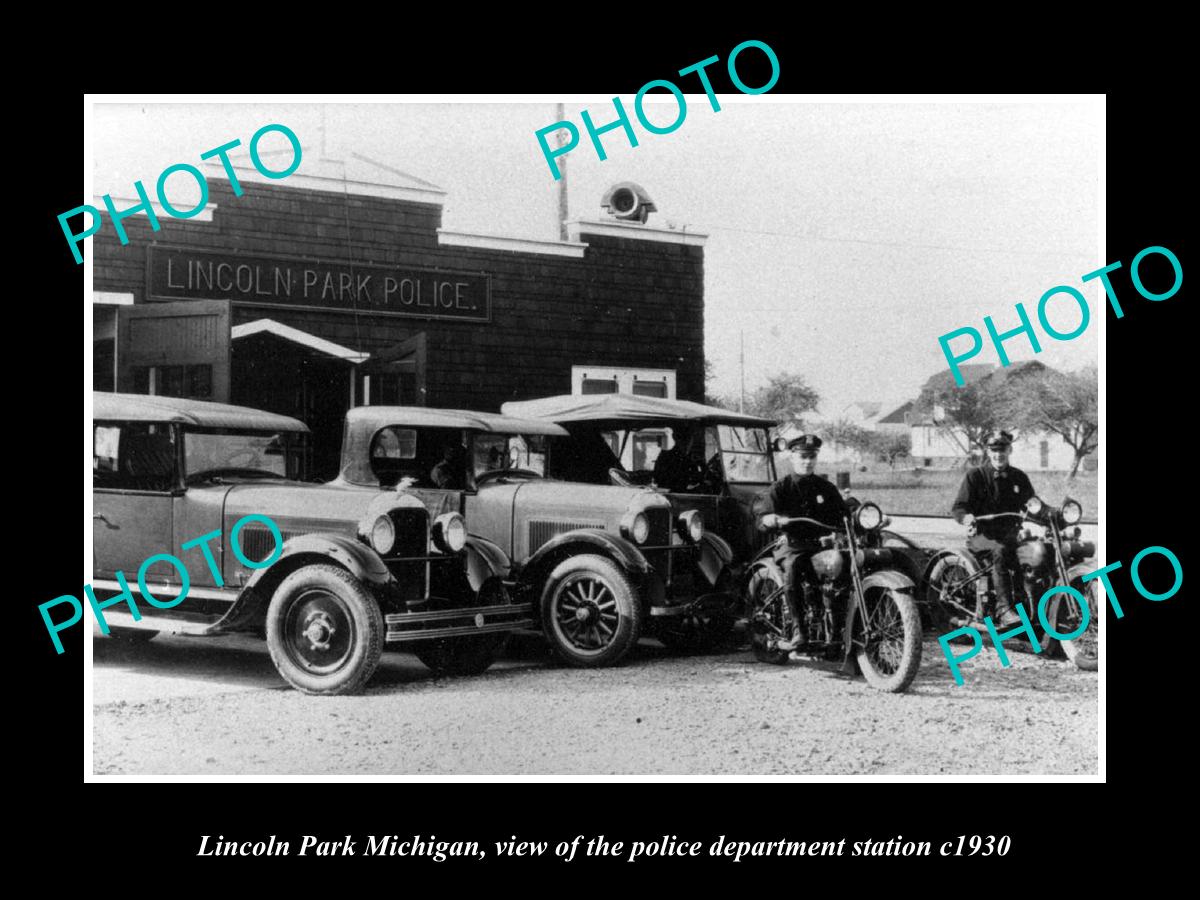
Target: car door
{"x":133,"y":486}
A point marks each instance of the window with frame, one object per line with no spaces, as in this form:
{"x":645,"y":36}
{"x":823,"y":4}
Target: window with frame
{"x":133,"y":456}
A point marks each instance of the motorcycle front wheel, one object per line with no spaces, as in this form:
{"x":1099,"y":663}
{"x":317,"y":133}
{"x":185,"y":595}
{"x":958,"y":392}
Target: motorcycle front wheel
{"x":1083,"y":651}
{"x":892,"y":655}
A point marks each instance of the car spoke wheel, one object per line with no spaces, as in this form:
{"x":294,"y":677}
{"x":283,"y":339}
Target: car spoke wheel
{"x":324,"y":631}
{"x":768,"y":614}
{"x":590,"y":612}
{"x":891,"y":638}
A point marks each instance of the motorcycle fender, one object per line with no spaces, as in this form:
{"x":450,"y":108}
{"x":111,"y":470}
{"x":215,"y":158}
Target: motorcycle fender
{"x":1077,"y":571}
{"x":624,"y":553}
{"x":767,"y":566}
{"x":715,"y":556}
{"x":981,"y":584}
{"x":887,"y":578}
{"x":484,"y":560}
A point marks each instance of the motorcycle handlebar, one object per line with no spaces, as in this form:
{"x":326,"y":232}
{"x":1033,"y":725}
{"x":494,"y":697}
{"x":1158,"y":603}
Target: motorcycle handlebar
{"x":796,"y":520}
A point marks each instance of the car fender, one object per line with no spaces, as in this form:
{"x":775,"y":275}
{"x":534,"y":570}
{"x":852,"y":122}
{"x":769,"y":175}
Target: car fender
{"x":484,"y":560}
{"x":715,"y":556}
{"x":585,"y":540}
{"x":305,"y":549}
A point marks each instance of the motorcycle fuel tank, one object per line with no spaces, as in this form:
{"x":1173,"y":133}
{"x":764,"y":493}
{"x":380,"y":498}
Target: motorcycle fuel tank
{"x":828,"y":564}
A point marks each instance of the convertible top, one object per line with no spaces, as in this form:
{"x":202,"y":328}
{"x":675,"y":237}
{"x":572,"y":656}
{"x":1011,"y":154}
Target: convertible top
{"x":628,"y":410}
{"x":148,"y":408}
{"x":425,"y":417}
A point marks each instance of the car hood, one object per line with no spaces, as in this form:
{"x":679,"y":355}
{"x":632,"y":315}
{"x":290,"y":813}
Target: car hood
{"x":573,"y":499}
{"x":316,"y":507}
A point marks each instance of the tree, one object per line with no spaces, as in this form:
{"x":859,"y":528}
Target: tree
{"x":890,"y":446}
{"x":785,"y":397}
{"x":968,"y":413}
{"x":1063,"y":403}
{"x":845,"y":433}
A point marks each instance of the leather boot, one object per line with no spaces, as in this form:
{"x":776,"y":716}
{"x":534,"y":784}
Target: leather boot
{"x":1004,"y":615}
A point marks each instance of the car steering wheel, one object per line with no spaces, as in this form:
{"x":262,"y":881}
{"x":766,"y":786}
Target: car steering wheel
{"x":620,"y":477}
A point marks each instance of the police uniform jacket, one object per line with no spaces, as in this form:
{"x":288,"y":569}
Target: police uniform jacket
{"x":810,"y":496}
{"x":986,"y":490}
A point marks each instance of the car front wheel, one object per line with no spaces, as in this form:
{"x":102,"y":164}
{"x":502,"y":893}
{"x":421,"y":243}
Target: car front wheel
{"x":590,"y":612}
{"x":324,"y":631}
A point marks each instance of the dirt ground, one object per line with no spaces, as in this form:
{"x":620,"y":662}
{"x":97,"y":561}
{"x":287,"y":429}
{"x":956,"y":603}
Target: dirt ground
{"x":188,"y":706}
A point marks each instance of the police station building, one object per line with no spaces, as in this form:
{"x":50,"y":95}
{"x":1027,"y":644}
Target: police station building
{"x":338,"y":287}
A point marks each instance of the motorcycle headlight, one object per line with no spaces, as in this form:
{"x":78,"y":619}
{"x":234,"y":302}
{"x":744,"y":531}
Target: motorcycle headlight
{"x":383,"y":535}
{"x":636,"y":528}
{"x":449,"y":533}
{"x":869,"y":517}
{"x":691,"y":526}
{"x":1033,"y":506}
{"x":1072,"y":512}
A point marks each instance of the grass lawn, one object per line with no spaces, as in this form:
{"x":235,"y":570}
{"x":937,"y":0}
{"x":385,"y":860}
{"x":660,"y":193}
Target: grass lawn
{"x":932,"y":491}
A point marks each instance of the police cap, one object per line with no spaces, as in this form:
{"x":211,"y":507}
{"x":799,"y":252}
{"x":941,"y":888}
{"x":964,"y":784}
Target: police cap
{"x":807,"y":444}
{"x":999,"y":440}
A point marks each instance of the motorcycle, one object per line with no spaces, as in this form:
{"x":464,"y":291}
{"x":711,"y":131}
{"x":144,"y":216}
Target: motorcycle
{"x":959,"y":590}
{"x":868,"y":615}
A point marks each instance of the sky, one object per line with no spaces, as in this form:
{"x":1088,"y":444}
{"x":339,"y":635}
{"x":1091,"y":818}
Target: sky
{"x":844,"y":237}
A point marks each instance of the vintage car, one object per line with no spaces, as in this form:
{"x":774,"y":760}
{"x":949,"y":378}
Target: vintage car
{"x":726,"y":465}
{"x":598,"y":560}
{"x":353,"y":574}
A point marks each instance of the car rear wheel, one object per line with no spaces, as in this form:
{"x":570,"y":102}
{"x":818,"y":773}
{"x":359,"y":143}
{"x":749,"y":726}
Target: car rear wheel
{"x":590,"y":612}
{"x":324,"y":631}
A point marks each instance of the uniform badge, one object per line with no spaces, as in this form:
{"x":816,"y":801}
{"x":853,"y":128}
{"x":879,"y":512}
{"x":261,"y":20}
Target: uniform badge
{"x":1016,"y":490}
{"x":820,"y":499}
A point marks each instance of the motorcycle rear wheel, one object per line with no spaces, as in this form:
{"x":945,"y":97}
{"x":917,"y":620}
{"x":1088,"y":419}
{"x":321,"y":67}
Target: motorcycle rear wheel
{"x":891,"y":660}
{"x":764,"y":583}
{"x":941,"y":595}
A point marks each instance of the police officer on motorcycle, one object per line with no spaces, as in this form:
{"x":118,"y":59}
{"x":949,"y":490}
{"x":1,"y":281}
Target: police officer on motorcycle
{"x":810,"y":496}
{"x":996,"y":487}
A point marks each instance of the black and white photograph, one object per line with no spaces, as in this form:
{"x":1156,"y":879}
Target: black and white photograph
{"x":695,"y":436}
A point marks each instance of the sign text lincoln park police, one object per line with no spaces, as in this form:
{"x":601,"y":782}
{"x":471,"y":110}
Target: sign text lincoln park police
{"x":182,"y":274}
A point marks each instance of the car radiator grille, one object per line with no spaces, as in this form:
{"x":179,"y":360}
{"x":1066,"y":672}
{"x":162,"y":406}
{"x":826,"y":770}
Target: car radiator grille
{"x":412,"y":533}
{"x":258,"y":543}
{"x":543,"y":530}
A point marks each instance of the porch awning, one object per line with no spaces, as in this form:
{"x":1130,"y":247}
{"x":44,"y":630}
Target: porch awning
{"x":296,"y":336}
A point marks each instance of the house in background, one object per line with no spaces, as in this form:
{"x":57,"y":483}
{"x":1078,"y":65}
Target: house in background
{"x":1033,"y":451}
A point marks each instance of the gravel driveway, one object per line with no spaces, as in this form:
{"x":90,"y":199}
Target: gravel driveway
{"x":181,"y":706}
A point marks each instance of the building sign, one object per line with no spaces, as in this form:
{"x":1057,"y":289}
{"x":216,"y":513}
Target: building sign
{"x":181,"y":274}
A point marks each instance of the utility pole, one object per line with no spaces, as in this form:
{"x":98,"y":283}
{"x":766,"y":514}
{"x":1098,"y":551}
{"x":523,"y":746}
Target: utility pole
{"x":560,"y":116}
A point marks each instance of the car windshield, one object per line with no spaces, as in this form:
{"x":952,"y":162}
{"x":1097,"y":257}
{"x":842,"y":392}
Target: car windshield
{"x":505,"y":452}
{"x":228,"y":452}
{"x":746,"y":454}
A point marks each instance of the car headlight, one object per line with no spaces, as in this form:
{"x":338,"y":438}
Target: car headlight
{"x":450,"y":533}
{"x":636,"y":528}
{"x":691,"y":526}
{"x":1072,"y":512}
{"x":383,"y":535}
{"x":1033,"y":506}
